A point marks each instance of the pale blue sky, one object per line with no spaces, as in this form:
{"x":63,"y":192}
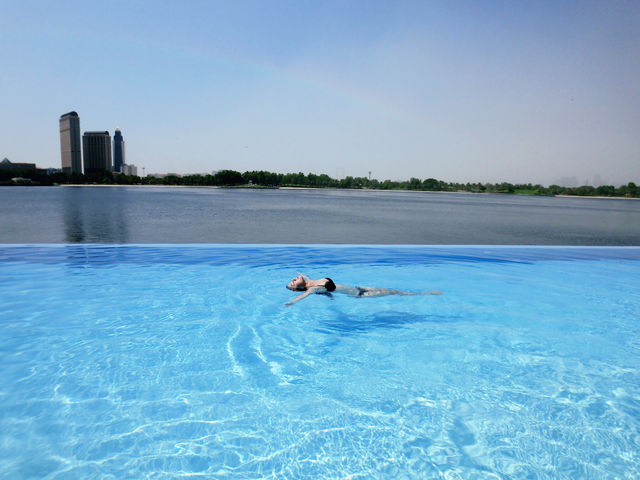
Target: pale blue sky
{"x":460,"y":91}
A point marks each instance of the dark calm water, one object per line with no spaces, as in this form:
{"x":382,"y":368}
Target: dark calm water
{"x":202,"y":215}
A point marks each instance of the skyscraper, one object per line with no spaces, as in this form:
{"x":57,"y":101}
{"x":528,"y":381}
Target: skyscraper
{"x":118,"y":151}
{"x":96,"y":148}
{"x":70,"y":143}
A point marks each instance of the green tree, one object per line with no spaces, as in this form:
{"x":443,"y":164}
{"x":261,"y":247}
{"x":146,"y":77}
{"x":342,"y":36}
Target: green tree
{"x":505,"y":187}
{"x":414,"y":184}
{"x":584,"y":190}
{"x":228,"y":178}
{"x":431,"y":184}
{"x":632,"y":190}
{"x":346,"y":182}
{"x":606,"y":190}
{"x":171,"y":180}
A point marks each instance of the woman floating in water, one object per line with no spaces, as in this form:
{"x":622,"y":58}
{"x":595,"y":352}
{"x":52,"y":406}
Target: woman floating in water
{"x":325,"y":286}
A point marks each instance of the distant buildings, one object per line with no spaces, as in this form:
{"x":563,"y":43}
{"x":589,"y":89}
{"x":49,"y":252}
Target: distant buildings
{"x":95,"y":155}
{"x":70,"y":143}
{"x":96,"y":148}
{"x":8,"y":169}
{"x":8,"y":165}
{"x":118,"y":151}
{"x":130,"y":170}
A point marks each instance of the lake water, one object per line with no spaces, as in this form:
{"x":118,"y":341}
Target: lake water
{"x":180,"y":361}
{"x":307,"y":216}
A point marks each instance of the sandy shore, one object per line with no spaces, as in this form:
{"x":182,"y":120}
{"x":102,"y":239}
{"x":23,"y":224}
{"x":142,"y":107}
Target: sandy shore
{"x":348,"y":189}
{"x":595,"y":196}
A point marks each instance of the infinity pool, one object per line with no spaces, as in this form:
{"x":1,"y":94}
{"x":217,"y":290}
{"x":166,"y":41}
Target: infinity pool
{"x":130,"y":362}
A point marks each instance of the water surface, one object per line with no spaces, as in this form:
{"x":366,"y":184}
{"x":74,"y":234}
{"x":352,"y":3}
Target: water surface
{"x":207,"y":215}
{"x":173,"y":361}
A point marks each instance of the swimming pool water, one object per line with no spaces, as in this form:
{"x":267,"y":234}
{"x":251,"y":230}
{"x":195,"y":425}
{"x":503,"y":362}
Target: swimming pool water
{"x":180,"y":360}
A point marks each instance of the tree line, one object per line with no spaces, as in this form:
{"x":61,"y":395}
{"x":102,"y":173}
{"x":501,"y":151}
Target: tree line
{"x":265,"y":179}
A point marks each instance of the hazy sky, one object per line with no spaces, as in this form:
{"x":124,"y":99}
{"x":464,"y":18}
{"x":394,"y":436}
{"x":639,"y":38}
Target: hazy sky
{"x":461,"y":91}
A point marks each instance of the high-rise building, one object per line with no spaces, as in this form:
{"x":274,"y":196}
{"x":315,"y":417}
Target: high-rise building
{"x":96,"y":149}
{"x":130,"y":169}
{"x":70,"y":143}
{"x":118,"y":151}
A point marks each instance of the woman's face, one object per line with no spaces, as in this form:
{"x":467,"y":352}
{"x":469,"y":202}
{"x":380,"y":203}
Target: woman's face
{"x":297,"y":283}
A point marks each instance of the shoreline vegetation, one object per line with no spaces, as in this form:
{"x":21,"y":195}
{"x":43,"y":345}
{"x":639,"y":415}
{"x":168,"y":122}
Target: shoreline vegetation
{"x":264,"y":179}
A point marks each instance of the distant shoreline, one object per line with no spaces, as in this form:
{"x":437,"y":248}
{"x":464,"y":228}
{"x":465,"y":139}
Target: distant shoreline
{"x":596,"y":196}
{"x":248,"y":187}
{"x":100,"y":185}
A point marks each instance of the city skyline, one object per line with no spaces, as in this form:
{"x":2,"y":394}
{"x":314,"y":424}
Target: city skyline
{"x":464,"y":92}
{"x":97,"y":154}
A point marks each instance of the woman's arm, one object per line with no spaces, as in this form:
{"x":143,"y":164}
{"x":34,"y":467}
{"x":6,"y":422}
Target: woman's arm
{"x":306,"y":279}
{"x":300,"y":297}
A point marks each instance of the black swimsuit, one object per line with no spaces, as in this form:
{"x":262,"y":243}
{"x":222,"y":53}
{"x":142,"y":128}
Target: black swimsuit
{"x":329,"y":285}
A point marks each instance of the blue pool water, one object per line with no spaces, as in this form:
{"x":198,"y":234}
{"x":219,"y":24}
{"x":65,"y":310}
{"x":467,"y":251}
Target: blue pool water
{"x":180,"y":361}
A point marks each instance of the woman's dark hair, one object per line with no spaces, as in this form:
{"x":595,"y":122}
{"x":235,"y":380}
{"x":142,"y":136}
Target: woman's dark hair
{"x":330,"y":286}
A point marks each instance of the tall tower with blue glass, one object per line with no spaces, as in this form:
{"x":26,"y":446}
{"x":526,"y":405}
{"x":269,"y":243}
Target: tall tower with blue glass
{"x":118,"y":151}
